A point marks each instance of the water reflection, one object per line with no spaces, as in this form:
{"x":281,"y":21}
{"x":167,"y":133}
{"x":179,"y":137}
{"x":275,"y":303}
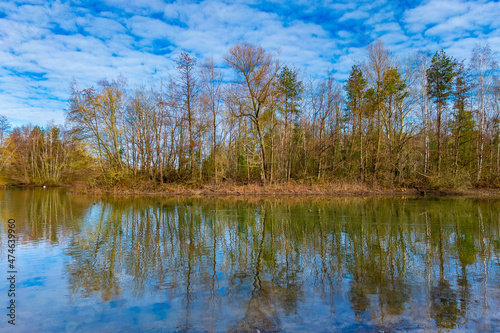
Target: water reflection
{"x":42,"y":214}
{"x":274,"y":265}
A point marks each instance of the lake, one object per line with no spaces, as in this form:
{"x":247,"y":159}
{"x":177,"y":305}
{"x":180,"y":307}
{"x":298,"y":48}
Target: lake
{"x":114,"y":264}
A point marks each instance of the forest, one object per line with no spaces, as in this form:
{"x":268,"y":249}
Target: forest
{"x":426,"y":120}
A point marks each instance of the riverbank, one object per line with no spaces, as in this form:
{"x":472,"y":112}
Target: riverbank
{"x":284,"y":189}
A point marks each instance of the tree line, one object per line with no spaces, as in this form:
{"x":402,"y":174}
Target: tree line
{"x":423,"y":120}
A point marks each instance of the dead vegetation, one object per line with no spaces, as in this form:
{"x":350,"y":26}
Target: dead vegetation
{"x":234,"y":189}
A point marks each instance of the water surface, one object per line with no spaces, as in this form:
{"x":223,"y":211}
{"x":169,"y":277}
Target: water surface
{"x":88,"y":264}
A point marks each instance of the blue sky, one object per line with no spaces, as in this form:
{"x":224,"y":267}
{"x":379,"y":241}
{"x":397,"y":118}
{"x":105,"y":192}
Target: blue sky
{"x":44,"y":44}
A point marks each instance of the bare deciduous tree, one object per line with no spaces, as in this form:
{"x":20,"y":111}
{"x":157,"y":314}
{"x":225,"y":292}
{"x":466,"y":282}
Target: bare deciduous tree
{"x":257,"y":71}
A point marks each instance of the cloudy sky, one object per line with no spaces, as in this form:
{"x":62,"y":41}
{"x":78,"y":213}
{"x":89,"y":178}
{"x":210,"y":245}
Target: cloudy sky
{"x":45,"y":44}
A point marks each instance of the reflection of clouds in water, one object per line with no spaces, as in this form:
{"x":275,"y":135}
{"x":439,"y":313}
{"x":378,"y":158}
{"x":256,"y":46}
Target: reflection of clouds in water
{"x":72,"y":327}
{"x":86,"y":314}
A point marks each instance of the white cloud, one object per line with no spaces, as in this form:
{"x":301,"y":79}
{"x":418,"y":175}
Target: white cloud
{"x":455,"y":25}
{"x":433,"y":12}
{"x":387,"y":27}
{"x":142,"y":7}
{"x":345,"y":35}
{"x":355,"y":15}
{"x":150,"y":28}
{"x":102,"y":27}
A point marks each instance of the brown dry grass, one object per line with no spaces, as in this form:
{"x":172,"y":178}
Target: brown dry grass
{"x":233,"y":189}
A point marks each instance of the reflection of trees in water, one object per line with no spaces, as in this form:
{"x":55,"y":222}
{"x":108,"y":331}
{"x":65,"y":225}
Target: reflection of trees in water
{"x":260,"y":313}
{"x":43,"y":213}
{"x":266,"y":257}
{"x":378,"y":264}
{"x":444,"y":307}
{"x":272,"y":273}
{"x":94,"y":256}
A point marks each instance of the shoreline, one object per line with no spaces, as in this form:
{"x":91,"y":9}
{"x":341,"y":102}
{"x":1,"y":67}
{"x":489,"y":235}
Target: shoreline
{"x":259,"y":190}
{"x":285,"y":190}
